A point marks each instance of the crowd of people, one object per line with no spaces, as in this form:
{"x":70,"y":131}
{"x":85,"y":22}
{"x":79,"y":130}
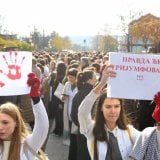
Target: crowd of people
{"x":94,"y":126}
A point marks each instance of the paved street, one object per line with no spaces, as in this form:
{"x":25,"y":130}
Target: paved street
{"x":55,"y":149}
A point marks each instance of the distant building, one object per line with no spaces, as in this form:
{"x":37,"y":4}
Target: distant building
{"x":137,"y":46}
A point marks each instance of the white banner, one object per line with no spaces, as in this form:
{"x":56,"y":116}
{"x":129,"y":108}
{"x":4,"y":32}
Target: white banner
{"x":138,"y":76}
{"x":14,"y":68}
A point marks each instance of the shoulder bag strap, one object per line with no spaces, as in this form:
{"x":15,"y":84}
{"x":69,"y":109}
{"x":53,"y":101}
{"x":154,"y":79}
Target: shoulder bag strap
{"x":129,"y":134}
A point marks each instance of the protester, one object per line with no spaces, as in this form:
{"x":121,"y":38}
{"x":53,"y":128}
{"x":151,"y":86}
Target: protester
{"x":55,"y":108}
{"x":105,"y":59}
{"x":97,"y":68}
{"x":109,"y":136}
{"x":45,"y":72}
{"x":68,"y":93}
{"x":35,"y":68}
{"x":45,"y":92}
{"x":147,"y":146}
{"x":13,"y":131}
{"x":86,"y":80}
{"x":85,"y":62}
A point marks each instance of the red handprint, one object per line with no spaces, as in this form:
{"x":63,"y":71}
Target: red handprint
{"x":1,"y":84}
{"x":14,"y":69}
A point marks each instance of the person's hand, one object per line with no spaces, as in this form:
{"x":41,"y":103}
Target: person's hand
{"x":64,"y":97}
{"x":107,"y":73}
{"x":34,"y":83}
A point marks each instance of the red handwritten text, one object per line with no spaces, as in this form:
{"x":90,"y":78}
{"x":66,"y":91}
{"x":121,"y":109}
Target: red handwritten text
{"x":136,"y":60}
{"x":136,"y":68}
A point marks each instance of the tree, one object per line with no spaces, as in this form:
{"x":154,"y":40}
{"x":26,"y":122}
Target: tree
{"x":59,"y":43}
{"x":24,"y":46}
{"x":5,"y":44}
{"x":67,"y":43}
{"x":2,"y":41}
{"x":110,"y":43}
{"x":125,"y":28}
{"x":155,"y":34}
{"x":1,"y":24}
{"x":146,"y":29}
{"x":105,"y":43}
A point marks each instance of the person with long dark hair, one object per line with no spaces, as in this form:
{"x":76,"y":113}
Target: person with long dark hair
{"x":86,"y":80}
{"x":69,"y":92}
{"x":55,"y":109}
{"x":109,"y":135}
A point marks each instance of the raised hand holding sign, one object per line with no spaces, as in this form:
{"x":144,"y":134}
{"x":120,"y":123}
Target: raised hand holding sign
{"x":34,"y":83}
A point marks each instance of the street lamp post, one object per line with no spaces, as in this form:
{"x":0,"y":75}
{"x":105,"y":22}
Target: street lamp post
{"x":84,"y":41}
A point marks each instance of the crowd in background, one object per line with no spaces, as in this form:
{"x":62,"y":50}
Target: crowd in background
{"x":79,"y":73}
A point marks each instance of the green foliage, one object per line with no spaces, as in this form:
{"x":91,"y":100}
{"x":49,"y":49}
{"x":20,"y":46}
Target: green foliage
{"x":59,"y":43}
{"x":25,"y":46}
{"x":105,"y":43}
{"x":22,"y":46}
{"x":110,"y":44}
{"x":2,"y":42}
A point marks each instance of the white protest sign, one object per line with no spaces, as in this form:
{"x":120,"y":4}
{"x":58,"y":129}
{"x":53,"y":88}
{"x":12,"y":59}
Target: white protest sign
{"x":14,"y":68}
{"x":138,"y":76}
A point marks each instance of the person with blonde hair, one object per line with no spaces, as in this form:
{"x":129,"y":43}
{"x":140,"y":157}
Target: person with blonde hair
{"x":15,"y":141}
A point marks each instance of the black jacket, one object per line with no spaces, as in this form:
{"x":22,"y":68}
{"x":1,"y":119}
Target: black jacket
{"x":82,"y":150}
{"x":78,"y":98}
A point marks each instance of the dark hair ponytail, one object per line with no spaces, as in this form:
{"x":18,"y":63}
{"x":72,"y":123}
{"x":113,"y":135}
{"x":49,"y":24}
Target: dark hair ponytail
{"x":95,"y":149}
{"x":80,"y":80}
{"x":83,"y":77}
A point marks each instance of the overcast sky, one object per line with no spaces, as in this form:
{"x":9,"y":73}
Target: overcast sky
{"x":70,"y":17}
